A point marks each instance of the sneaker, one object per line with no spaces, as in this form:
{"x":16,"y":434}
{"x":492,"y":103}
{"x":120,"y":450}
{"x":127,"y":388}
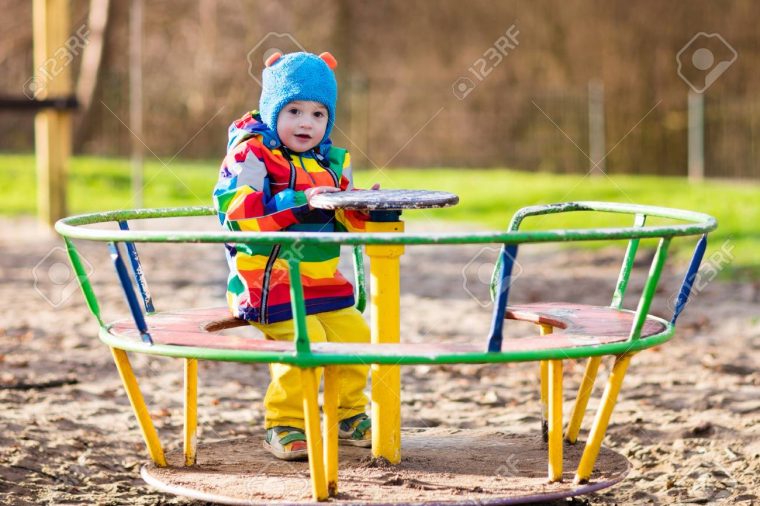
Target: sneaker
{"x":286,"y":443}
{"x":356,"y":431}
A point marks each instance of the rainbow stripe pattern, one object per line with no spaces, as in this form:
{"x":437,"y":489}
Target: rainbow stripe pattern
{"x":262,"y":188}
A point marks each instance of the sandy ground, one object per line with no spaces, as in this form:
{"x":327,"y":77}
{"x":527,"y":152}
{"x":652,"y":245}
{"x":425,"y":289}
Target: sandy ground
{"x":688,"y":418}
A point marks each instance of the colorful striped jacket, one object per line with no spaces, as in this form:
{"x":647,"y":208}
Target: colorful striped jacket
{"x":261,"y":188}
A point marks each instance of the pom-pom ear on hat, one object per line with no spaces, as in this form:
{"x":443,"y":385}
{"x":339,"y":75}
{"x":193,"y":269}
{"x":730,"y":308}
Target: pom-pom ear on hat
{"x":272,"y":58}
{"x":329,"y":59}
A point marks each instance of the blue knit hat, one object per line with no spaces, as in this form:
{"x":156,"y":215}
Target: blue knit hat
{"x":298,"y":76}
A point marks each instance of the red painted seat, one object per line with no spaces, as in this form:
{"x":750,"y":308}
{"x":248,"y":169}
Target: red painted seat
{"x":583,"y":321}
{"x":575,"y":325}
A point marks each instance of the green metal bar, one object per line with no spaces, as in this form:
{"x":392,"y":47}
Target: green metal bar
{"x":611,"y":207}
{"x":390,"y":238}
{"x":298,"y":305}
{"x":359,"y":280}
{"x":625,"y":269}
{"x":700,"y":224}
{"x":417,"y":355}
{"x":83,"y":279}
{"x":649,"y":288}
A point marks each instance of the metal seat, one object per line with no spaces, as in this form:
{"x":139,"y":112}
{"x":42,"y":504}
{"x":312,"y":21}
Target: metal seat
{"x":575,"y":325}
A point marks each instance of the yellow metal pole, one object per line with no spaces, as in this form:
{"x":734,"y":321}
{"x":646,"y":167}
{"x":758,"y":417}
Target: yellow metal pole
{"x":544,"y":375}
{"x":385,"y":328}
{"x":53,"y":48}
{"x":330,"y":428}
{"x":555,"y":420}
{"x":581,"y":401}
{"x":313,"y":437}
{"x":138,"y":406}
{"x":602,"y":419}
{"x":191,"y":409}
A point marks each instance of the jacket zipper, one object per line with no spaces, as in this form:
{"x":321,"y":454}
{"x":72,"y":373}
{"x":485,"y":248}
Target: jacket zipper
{"x":264,"y":309}
{"x":326,"y":168}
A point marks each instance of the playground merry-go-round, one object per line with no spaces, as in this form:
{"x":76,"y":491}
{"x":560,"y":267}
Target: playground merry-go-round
{"x":441,"y":465}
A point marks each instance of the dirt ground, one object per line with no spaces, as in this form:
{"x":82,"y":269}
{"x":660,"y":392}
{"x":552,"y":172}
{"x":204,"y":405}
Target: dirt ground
{"x":688,"y":418}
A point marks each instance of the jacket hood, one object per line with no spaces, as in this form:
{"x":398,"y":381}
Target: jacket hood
{"x":250,"y":124}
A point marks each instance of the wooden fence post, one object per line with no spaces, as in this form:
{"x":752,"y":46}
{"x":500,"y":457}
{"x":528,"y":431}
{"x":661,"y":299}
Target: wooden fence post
{"x":52,"y":127}
{"x":696,"y":136}
{"x":596,"y":127}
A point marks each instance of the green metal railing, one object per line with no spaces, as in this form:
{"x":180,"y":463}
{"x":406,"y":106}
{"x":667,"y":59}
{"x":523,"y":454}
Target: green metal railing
{"x":694,"y":224}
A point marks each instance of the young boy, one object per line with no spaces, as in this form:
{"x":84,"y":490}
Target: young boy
{"x":277,"y":159}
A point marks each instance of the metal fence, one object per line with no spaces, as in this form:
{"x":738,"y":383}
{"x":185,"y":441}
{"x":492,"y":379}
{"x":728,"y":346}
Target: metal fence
{"x":389,"y":123}
{"x":547,"y":130}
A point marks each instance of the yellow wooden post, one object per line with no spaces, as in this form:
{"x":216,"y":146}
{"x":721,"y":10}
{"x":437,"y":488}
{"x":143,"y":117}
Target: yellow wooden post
{"x":191,"y":409}
{"x":138,"y":406}
{"x":51,"y":79}
{"x":313,"y":437}
{"x":555,"y":420}
{"x":544,"y":378}
{"x":330,"y":427}
{"x":581,"y":400}
{"x":386,"y":379}
{"x":602,"y":419}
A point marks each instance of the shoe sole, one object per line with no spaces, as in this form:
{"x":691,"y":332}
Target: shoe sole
{"x":292,"y":455}
{"x":362,"y":443}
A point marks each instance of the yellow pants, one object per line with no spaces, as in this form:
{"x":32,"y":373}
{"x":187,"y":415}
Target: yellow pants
{"x":283,"y":401}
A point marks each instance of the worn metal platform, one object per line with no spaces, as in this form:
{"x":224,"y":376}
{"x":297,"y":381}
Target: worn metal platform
{"x":439,"y":466}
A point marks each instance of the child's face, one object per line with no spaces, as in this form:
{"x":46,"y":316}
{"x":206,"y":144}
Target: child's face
{"x":301,"y":124}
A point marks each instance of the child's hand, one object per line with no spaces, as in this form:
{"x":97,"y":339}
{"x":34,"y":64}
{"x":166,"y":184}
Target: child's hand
{"x":310,"y":192}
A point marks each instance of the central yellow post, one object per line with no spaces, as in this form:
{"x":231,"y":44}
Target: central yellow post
{"x":385,"y":328}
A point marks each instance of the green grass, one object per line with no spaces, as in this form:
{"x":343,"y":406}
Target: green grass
{"x":97,"y":184}
{"x":490,"y":196}
{"x":487,"y":196}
